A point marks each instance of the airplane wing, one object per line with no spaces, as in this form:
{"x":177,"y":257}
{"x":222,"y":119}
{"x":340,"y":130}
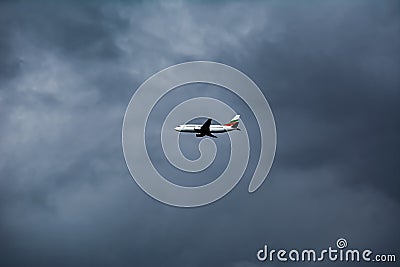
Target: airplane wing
{"x":205,"y":130}
{"x":206,"y":126}
{"x":211,"y":135}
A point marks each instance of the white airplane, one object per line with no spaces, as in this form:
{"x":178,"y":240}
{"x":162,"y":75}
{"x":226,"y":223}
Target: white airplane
{"x":208,"y":129}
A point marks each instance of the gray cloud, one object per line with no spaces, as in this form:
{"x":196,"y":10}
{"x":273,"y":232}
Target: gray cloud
{"x":67,"y":71}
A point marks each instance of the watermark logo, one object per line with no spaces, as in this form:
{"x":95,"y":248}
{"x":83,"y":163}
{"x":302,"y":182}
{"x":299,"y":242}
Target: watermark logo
{"x":341,"y":243}
{"x":339,"y":253}
{"x":152,"y":90}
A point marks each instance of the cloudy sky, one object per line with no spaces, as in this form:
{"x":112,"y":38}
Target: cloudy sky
{"x":329,"y":69}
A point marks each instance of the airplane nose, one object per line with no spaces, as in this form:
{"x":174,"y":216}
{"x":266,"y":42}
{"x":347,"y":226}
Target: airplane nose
{"x":176,"y":128}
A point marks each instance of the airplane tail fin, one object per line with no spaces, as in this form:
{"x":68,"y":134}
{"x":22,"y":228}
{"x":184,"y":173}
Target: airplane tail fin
{"x":234,"y":123}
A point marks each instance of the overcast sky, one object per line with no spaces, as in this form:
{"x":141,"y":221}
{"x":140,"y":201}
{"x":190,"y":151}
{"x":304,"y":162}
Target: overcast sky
{"x":329,"y":69}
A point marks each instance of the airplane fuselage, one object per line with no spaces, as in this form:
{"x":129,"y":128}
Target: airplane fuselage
{"x":195,"y":128}
{"x":207,"y":129}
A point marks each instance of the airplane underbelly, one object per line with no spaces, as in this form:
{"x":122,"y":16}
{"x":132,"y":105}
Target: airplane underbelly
{"x":189,"y":130}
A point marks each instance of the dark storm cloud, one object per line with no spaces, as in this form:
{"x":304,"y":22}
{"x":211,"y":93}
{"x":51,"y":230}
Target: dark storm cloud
{"x":329,"y":70}
{"x":342,"y":90}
